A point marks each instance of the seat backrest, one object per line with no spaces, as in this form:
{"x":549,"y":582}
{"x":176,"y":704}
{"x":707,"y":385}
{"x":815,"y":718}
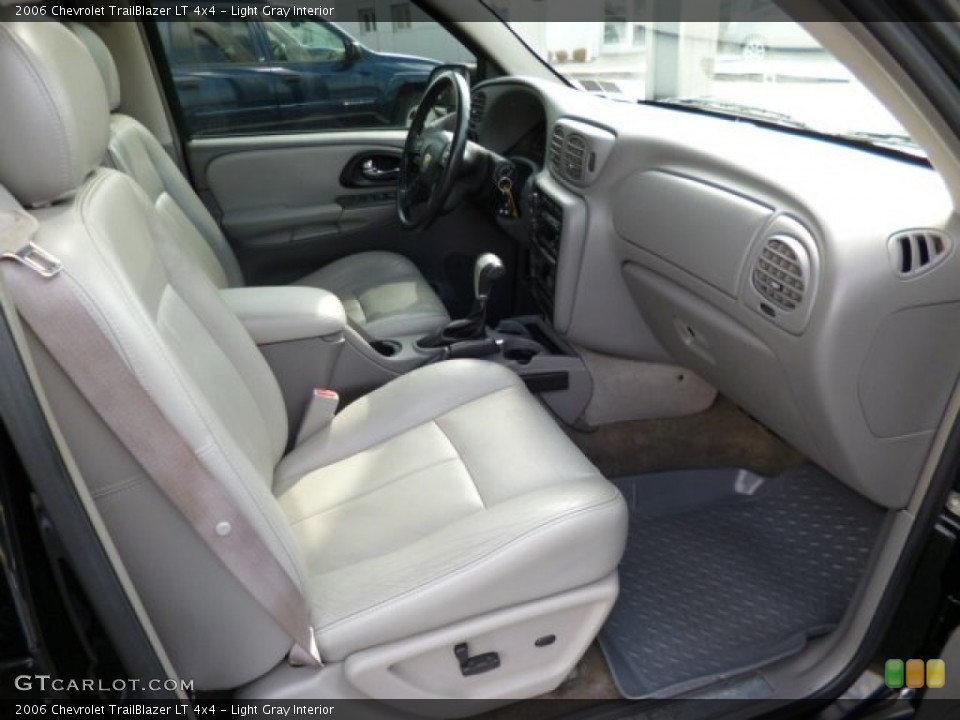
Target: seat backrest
{"x":134,"y":150}
{"x":167,"y":321}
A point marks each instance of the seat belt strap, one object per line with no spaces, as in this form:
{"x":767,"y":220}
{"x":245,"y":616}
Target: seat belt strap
{"x":48,"y":300}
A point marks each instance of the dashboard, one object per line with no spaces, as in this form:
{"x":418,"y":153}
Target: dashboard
{"x":509,"y":120}
{"x":811,"y":282}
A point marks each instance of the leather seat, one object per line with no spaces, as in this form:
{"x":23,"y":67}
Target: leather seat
{"x":384,"y":293}
{"x":442,"y":512}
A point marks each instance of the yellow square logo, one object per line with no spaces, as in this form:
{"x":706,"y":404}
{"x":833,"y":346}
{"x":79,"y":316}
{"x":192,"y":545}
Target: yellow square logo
{"x":936,"y":673}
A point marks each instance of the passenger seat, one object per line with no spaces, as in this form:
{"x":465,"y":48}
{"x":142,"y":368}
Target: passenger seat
{"x":382,"y":292}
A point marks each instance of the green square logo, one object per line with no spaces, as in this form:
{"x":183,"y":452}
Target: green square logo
{"x":893,"y":674}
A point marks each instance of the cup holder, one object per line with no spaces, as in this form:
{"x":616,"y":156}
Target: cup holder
{"x":387,"y":348}
{"x":520,"y":350}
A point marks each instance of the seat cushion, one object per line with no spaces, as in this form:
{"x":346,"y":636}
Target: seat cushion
{"x":383,"y":293}
{"x":426,"y":509}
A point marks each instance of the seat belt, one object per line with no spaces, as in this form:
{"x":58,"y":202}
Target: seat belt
{"x":48,"y":300}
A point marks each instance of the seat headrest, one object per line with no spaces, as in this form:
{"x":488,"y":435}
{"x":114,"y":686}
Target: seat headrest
{"x":104,"y":60}
{"x":54,"y":118}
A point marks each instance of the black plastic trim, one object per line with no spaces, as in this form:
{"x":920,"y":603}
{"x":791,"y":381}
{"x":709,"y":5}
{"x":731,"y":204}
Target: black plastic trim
{"x":544,"y":382}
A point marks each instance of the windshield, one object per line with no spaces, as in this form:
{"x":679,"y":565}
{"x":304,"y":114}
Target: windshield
{"x":749,"y":62}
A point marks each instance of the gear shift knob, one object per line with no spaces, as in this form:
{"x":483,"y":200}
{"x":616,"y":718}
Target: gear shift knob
{"x":486,"y":272}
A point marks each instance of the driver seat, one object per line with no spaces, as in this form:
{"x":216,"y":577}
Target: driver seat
{"x":382,"y":292}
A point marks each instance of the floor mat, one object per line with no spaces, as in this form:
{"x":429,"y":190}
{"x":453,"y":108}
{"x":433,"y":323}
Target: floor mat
{"x":726,"y":571}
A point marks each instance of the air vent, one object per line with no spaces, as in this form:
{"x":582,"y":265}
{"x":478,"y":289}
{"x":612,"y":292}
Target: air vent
{"x":600,"y":87}
{"x":557,"y":140}
{"x":578,"y":150}
{"x":574,"y":156}
{"x":916,"y":251}
{"x":781,"y":273}
{"x":478,"y":104}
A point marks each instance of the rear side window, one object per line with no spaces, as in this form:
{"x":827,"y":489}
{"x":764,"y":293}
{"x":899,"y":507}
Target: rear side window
{"x":271,"y":74}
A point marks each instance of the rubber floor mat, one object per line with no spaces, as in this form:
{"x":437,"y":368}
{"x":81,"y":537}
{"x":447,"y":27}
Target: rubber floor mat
{"x":726,"y":571}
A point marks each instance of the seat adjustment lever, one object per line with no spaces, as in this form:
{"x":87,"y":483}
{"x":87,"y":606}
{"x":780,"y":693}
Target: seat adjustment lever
{"x":476,"y":665}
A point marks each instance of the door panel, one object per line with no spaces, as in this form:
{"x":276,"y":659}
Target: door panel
{"x":268,"y":196}
{"x":290,"y":204}
{"x":318,"y":182}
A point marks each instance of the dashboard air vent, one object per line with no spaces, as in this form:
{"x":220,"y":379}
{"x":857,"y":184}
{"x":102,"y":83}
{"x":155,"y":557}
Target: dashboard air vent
{"x":915,"y":251}
{"x":557,"y":139}
{"x":577,"y":151}
{"x":574,"y":156}
{"x":782,"y":272}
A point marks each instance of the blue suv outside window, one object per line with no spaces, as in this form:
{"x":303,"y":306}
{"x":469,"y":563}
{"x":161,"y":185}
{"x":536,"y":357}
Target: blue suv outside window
{"x":270,"y":76}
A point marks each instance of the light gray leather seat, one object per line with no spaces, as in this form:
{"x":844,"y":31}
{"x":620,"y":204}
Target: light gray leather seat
{"x":445,"y":508}
{"x":382,"y":292}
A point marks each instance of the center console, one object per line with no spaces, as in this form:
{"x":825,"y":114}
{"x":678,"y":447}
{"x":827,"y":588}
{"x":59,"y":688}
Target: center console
{"x":546,"y":363}
{"x":546,"y":229}
{"x":529,"y":345}
{"x":346,"y":359}
{"x":300,"y":332}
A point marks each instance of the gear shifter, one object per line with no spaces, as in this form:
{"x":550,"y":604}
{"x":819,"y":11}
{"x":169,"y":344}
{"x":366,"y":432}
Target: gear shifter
{"x":487,"y":270}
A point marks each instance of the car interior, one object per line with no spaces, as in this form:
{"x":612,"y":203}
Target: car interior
{"x":576,"y":398}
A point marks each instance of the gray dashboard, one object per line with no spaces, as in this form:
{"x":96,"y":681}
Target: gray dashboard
{"x":815,"y":284}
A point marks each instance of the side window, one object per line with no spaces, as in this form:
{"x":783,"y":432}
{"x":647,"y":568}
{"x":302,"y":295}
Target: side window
{"x":223,"y":42}
{"x":218,"y":72}
{"x":292,"y":41}
{"x":268,"y":74}
{"x":203,"y":42}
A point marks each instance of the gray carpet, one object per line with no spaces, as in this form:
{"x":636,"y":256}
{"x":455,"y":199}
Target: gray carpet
{"x":725,"y":571}
{"x":723,"y":436}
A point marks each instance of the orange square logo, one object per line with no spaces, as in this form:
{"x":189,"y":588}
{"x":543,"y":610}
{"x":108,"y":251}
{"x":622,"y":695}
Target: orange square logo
{"x":916,"y":673}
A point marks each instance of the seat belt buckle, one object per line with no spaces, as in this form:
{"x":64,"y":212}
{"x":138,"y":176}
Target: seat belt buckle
{"x":18,"y":227}
{"x":37,"y":259}
{"x":320,"y":411}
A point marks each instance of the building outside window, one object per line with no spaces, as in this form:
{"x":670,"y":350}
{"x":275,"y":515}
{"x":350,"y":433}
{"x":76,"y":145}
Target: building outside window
{"x":367,"y":19}
{"x":400,"y":16}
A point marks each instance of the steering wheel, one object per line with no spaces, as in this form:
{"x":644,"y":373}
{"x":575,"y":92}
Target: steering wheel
{"x":433,"y":153}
